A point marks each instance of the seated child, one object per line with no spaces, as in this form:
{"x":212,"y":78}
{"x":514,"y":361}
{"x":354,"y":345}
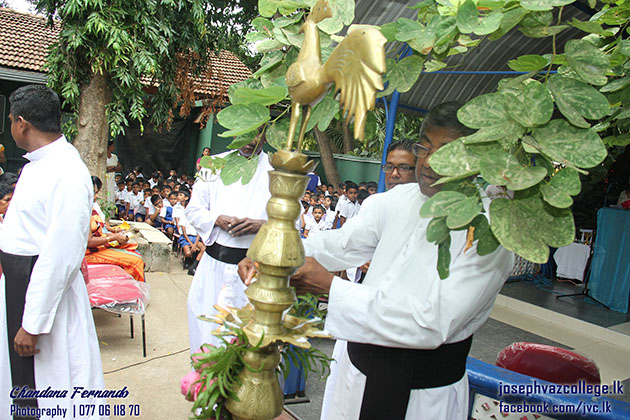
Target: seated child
{"x":316,"y":223}
{"x":133,"y":204}
{"x":153,"y":217}
{"x":166,"y":216}
{"x":120,"y":197}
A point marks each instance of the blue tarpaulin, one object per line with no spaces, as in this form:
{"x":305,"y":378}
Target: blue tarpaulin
{"x":610,"y":269}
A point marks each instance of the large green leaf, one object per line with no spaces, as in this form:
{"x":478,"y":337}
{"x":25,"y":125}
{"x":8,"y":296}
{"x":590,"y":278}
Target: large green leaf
{"x":242,"y":140}
{"x":458,"y":208}
{"x":588,"y":61}
{"x":567,"y":144}
{"x":487,"y":242}
{"x":323,"y":113}
{"x":488,"y":112}
{"x":533,"y":106}
{"x":405,"y":73}
{"x":265,"y":96}
{"x":444,"y":258}
{"x":542,"y":31}
{"x":452,"y":159}
{"x":437,"y":231}
{"x":239,"y":119}
{"x":527,"y":226}
{"x":468,"y":20}
{"x":501,"y":168}
{"x":538,"y":5}
{"x":510,"y":19}
{"x":530,"y":62}
{"x":573,"y":96}
{"x":237,"y":167}
{"x":407,"y":29}
{"x":561,"y":187}
{"x":615,"y":85}
{"x":268,"y":62}
{"x":389,"y":31}
{"x":277,"y":133}
{"x":590,"y":27}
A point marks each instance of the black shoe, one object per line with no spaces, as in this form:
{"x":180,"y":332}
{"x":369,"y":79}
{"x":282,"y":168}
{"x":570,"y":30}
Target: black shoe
{"x":193,"y":268}
{"x":187,"y":263}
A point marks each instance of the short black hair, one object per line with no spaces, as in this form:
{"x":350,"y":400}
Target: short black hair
{"x":363,"y":184}
{"x":96,"y":181}
{"x":445,"y":115}
{"x":372,"y":184}
{"x":172,"y":193}
{"x":163,"y":187}
{"x":320,"y":207}
{"x":342,"y":185}
{"x":155,"y":198}
{"x":135,"y":183}
{"x":121,"y":182}
{"x":363,"y":194}
{"x":184,"y":190}
{"x":39,"y":105}
{"x":404,"y":144}
{"x":350,"y":185}
{"x":5,"y":189}
{"x":148,"y":190}
{"x":155,"y":175}
{"x":9,"y":178}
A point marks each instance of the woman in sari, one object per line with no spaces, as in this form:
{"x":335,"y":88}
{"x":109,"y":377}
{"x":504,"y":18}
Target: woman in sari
{"x":111,"y":247}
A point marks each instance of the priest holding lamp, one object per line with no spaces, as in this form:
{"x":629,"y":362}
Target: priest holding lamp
{"x":404,"y":334}
{"x":50,"y":339}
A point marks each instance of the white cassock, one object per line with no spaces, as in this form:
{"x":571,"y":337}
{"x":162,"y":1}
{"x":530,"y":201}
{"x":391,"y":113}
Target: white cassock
{"x":402,"y":302}
{"x":216,"y":282}
{"x":49,"y":216}
{"x":110,"y":179}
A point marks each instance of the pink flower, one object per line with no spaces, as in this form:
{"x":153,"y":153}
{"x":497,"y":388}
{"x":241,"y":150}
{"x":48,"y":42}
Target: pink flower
{"x":187,"y":383}
{"x":199,"y":387}
{"x":205,"y":348}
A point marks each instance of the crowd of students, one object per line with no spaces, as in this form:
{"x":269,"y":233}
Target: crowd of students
{"x":160,"y":202}
{"x":325,"y":208}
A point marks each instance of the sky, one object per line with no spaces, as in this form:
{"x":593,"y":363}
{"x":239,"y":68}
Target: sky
{"x":21,"y":5}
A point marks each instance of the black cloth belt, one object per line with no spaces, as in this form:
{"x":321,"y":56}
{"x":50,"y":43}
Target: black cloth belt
{"x":226,"y":254}
{"x":17,"y":274}
{"x":391,"y":374}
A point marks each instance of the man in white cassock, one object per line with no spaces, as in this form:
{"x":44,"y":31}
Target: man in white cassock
{"x":226,"y":217}
{"x":50,"y":339}
{"x":404,"y":334}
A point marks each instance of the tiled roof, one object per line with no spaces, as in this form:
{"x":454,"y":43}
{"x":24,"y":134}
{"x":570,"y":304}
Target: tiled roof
{"x":25,"y":40}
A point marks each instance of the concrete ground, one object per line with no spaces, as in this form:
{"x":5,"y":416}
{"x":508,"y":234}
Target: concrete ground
{"x":153,"y":382}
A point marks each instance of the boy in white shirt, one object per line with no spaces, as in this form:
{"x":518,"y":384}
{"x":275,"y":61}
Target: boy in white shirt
{"x":349,"y":208}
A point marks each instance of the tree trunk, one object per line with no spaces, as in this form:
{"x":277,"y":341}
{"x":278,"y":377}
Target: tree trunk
{"x":91,"y":139}
{"x":348,"y":139}
{"x":325,"y":153}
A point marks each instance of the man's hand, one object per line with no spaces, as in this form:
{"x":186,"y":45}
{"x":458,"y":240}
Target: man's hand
{"x":25,"y":343}
{"x":225,"y":222}
{"x":120,"y":237}
{"x":245,"y":226}
{"x":246,"y":270}
{"x":364,"y":268}
{"x":312,"y":277}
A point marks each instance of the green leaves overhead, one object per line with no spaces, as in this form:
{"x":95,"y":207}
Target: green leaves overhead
{"x":469,"y":21}
{"x":576,"y":100}
{"x":570,"y":145}
{"x":530,"y":62}
{"x":265,"y":96}
{"x":587,"y":61}
{"x":487,"y":242}
{"x":561,"y":187}
{"x":538,"y":5}
{"x":452,"y":159}
{"x":402,"y":75}
{"x":458,"y":208}
{"x":501,"y":168}
{"x":528,"y":226}
{"x":532,"y":106}
{"x":323,"y":113}
{"x":239,"y":119}
{"x":488,"y":112}
{"x":238,"y":167}
{"x":277,"y":133}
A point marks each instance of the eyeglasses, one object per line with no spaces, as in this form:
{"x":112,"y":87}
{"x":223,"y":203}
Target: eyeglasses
{"x":420,"y":150}
{"x":403,"y":169}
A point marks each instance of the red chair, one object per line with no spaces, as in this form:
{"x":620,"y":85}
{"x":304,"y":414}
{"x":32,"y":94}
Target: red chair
{"x":548,"y":363}
{"x":112,"y":289}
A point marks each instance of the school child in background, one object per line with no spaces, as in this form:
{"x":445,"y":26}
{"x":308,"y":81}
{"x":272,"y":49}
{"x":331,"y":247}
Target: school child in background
{"x":133,"y":201}
{"x":120,"y":199}
{"x":148,"y":206}
{"x":164,"y":192}
{"x":153,"y":217}
{"x":189,"y":240}
{"x":362,"y":195}
{"x":155,"y":190}
{"x":329,"y":215}
{"x":317,"y":223}
{"x":166,"y":216}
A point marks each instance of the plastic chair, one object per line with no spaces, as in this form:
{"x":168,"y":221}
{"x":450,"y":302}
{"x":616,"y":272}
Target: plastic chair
{"x":112,"y":289}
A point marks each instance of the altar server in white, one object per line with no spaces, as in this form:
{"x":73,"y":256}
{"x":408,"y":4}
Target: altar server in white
{"x":50,"y":335}
{"x":227,"y":217}
{"x":407,"y":332}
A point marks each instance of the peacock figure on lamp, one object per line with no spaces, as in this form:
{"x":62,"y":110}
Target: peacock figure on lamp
{"x":355,"y":67}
